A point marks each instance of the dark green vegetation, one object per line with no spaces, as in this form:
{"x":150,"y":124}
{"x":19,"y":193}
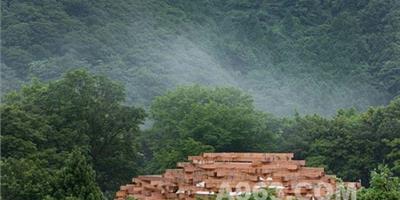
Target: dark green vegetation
{"x":383,"y":186}
{"x":43,"y":123}
{"x":77,"y":136}
{"x":190,"y":120}
{"x":69,"y":138}
{"x":311,"y":55}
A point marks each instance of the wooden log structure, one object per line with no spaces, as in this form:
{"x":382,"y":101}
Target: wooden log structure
{"x":206,"y":174}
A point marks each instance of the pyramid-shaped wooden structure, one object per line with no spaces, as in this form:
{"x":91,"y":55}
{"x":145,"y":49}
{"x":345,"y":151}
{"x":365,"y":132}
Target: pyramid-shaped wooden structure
{"x":208,"y":173}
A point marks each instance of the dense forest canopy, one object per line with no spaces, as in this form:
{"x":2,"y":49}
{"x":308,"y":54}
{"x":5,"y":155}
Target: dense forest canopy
{"x":96,"y":92}
{"x":82,"y":117}
{"x":312,"y":56}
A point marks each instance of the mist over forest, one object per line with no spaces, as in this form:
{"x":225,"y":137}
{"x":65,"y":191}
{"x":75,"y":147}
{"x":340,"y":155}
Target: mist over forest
{"x":94,"y":93}
{"x":291,"y":56}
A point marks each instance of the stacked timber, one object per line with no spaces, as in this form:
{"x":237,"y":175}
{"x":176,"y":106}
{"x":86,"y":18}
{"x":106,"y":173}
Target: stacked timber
{"x":211,"y":173}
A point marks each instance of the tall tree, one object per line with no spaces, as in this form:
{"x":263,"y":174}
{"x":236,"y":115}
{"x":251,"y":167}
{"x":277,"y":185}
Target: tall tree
{"x":77,"y":180}
{"x":80,"y":110}
{"x":194,"y":119}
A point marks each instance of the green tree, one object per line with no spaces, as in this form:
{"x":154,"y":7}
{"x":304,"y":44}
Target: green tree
{"x":224,"y":118}
{"x":22,"y":133}
{"x":393,"y":158}
{"x":194,"y":119}
{"x":80,"y":110}
{"x":350,"y":144}
{"x":77,"y":180}
{"x":383,"y":186}
{"x":25,"y":178}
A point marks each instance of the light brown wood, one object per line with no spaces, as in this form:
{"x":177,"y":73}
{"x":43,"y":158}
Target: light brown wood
{"x":207,"y":173}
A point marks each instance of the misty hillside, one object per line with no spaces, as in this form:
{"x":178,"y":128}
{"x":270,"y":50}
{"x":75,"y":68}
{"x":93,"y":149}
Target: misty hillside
{"x":305,"y":55}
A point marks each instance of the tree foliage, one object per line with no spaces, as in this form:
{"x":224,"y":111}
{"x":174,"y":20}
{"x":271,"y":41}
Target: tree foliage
{"x":306,"y":55}
{"x":77,"y":179}
{"x":383,"y":186}
{"x":44,"y":123}
{"x":25,"y":178}
{"x":350,"y":144}
{"x":316,"y":56}
{"x":48,"y":120}
{"x":196,"y":119}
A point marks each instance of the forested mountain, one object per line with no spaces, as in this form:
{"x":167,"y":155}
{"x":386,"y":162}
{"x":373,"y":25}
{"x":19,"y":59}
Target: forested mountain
{"x":79,"y":79}
{"x":313,"y":56}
